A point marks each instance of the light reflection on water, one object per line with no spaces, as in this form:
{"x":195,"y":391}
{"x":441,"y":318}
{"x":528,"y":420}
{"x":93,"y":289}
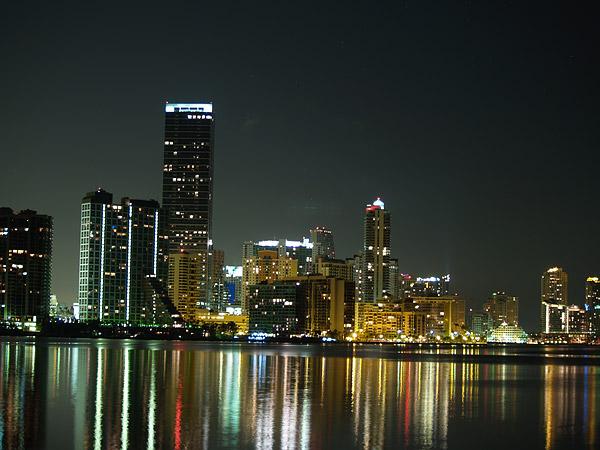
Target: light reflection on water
{"x":131,"y":394}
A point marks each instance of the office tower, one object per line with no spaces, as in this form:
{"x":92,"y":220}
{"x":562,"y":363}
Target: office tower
{"x":480,"y":324}
{"x":444,"y":315}
{"x":218,"y":293}
{"x":233,"y":286}
{"x":356,"y":266}
{"x":25,"y":266}
{"x":188,"y":183}
{"x":301,"y":251}
{"x":394,"y":279}
{"x":311,"y":305}
{"x":554,"y":293}
{"x":502,"y":308}
{"x":118,"y":251}
{"x":268,"y":266}
{"x":376,"y":253}
{"x":592,"y":303}
{"x":322,"y":241}
{"x":183,"y":288}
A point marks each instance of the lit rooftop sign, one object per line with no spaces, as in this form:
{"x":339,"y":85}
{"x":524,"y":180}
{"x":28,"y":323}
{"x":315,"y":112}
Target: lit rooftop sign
{"x":189,"y":107}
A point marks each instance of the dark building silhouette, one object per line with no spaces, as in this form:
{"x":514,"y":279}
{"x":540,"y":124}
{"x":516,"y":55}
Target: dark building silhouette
{"x":25,"y":265}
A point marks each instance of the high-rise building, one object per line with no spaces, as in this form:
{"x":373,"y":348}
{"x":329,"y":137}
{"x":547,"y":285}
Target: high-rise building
{"x":301,"y":251}
{"x":337,"y":268}
{"x":188,"y":184}
{"x":322,"y":241}
{"x":431,"y":286}
{"x":268,"y":266}
{"x":233,"y":286}
{"x":554,"y":291}
{"x":118,"y":250}
{"x":305,"y":305}
{"x":443,"y":315}
{"x":388,"y":321}
{"x":218,"y":292}
{"x":183,"y":288}
{"x":25,"y":265}
{"x":592,"y":303}
{"x":375,"y":283}
{"x":502,"y":308}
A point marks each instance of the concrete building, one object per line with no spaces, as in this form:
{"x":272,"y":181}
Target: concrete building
{"x":183,"y":288}
{"x":554,"y":292}
{"x":592,"y":302}
{"x":444,"y":315}
{"x":322,"y":244}
{"x":388,"y":321}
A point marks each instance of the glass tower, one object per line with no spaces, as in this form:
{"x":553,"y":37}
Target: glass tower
{"x":188,"y":184}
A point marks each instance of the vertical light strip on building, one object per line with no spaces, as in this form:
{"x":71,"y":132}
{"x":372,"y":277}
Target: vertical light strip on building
{"x":101,"y":296}
{"x":155,"y":240}
{"x":128,"y":290}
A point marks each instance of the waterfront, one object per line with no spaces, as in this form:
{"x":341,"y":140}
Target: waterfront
{"x":168,"y":394}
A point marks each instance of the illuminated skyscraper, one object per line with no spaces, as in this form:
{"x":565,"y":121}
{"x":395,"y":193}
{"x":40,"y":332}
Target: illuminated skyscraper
{"x":592,"y":302}
{"x":375,"y":283}
{"x":554,"y":293}
{"x":118,"y":249}
{"x":188,"y":183}
{"x":25,"y":265}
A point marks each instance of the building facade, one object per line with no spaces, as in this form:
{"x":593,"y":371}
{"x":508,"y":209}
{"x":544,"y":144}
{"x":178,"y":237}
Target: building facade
{"x":267,"y":266}
{"x":375,"y":277}
{"x":592,"y":303}
{"x":322,"y":242}
{"x":118,"y":249}
{"x":502,"y":308}
{"x":388,"y":321}
{"x":188,"y":184}
{"x":554,"y":292}
{"x":444,"y":315}
{"x":25,"y":266}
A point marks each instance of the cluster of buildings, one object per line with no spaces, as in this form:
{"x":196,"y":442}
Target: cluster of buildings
{"x":144,"y":263}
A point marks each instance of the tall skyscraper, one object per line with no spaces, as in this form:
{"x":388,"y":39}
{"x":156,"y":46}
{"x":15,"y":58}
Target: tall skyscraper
{"x":554,"y":293}
{"x":376,"y":283}
{"x":188,"y":183}
{"x":592,"y":303}
{"x":323,"y":246}
{"x":118,"y":250}
{"x":25,"y":265}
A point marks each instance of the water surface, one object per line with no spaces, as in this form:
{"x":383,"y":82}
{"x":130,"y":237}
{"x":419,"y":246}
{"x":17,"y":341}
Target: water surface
{"x":97,"y":394}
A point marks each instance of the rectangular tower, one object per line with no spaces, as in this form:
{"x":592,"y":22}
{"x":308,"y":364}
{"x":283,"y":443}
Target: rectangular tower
{"x":25,"y":265}
{"x":375,"y":283}
{"x":188,"y":183}
{"x":118,"y":249}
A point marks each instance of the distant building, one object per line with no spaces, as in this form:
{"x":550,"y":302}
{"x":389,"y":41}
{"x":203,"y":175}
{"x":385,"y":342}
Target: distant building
{"x":565,"y":319}
{"x":507,"y":334}
{"x":218,"y":291}
{"x":182,"y":285}
{"x":233,"y":286}
{"x":337,"y":268}
{"x":322,"y":244}
{"x":25,"y":266}
{"x":592,"y":302}
{"x":268,"y":266}
{"x":306,"y":305}
{"x":480,"y":324}
{"x":444,"y":315}
{"x":301,"y":251}
{"x":502,"y":309}
{"x":118,"y":250}
{"x":375,"y":277}
{"x":388,"y":321}
{"x":554,"y":293}
{"x":431,"y":286}
{"x":188,"y":184}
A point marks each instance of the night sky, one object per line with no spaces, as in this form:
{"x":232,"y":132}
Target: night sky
{"x":478,"y":124}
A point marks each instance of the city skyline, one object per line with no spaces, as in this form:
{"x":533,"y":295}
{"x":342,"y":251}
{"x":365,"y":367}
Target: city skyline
{"x":471,"y":163}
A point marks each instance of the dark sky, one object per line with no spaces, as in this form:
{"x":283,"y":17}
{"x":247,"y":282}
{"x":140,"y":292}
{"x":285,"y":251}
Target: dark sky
{"x":477,"y":123}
